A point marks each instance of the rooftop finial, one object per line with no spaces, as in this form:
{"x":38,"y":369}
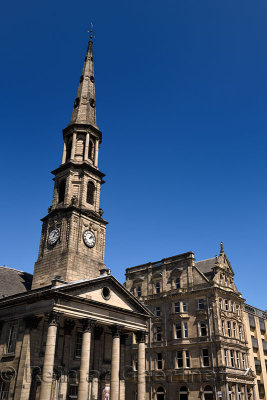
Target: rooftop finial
{"x":222,"y":250}
{"x":91,"y":32}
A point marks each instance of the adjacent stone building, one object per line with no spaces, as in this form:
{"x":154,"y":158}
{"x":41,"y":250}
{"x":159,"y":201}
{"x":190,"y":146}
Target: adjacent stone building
{"x":199,"y":342}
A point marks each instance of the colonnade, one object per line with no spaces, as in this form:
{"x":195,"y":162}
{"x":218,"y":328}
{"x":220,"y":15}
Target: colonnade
{"x":83,"y":387}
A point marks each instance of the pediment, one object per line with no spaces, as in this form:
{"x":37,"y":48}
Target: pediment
{"x":106,"y":290}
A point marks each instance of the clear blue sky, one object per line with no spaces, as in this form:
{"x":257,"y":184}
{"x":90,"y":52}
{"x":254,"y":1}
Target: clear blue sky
{"x":181,"y":95}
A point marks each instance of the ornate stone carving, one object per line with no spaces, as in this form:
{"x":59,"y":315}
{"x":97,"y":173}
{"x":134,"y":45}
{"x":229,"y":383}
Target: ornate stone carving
{"x":88,"y":324}
{"x":116,"y":330}
{"x":53,"y":318}
{"x":141,"y":336}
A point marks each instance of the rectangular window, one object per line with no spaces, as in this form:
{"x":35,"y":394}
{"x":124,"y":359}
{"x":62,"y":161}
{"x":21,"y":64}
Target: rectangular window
{"x":240,"y":332}
{"x":203,"y":329}
{"x":201,"y":304}
{"x":4,"y":389}
{"x":177,"y":307}
{"x":157,"y":287}
{"x":226,"y":305}
{"x":178,"y":330}
{"x":185,"y":330}
{"x":223,"y":328}
{"x":184,"y":306}
{"x":158,"y":334}
{"x":238,"y":310}
{"x":187,"y":359}
{"x":139,"y":291}
{"x":205,"y":358}
{"x":78,"y":345}
{"x":237,"y":359}
{"x":232,"y":306}
{"x":180,"y":362}
{"x":226,"y":357}
{"x":251,"y":321}
{"x":234,"y":329}
{"x":262,"y":325}
{"x":12,"y":339}
{"x":243,"y":360}
{"x":157,"y":312}
{"x":232,"y":356}
{"x":229,"y":330}
{"x":220,"y":304}
{"x":159,"y":361}
{"x":135,"y":362}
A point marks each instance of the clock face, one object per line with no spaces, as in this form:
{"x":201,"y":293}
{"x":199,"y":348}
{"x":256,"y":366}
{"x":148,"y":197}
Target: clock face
{"x":89,"y":238}
{"x":53,"y":236}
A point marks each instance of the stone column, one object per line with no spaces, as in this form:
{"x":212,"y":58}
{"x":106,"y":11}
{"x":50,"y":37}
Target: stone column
{"x":64,"y":154}
{"x":73,"y":146}
{"x":96,"y":152}
{"x":86,"y":149}
{"x":115,"y":363}
{"x":85,"y":360}
{"x":254,"y":393}
{"x":141,"y":384}
{"x":94,"y":388}
{"x":50,"y":347}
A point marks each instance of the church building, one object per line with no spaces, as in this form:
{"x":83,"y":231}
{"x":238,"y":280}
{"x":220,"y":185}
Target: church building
{"x":63,"y":330}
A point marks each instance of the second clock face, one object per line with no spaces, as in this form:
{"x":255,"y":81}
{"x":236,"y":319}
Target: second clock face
{"x":53,"y":237}
{"x":89,"y":238}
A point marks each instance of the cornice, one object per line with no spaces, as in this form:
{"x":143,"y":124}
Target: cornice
{"x":72,"y":208}
{"x":81,"y":128}
{"x":82,"y":166}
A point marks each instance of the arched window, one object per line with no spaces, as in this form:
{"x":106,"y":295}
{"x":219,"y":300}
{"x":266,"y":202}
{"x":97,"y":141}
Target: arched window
{"x":160,"y":393}
{"x":183,"y":393}
{"x":157,"y":286}
{"x":91,"y":150}
{"x":90,"y":192}
{"x":68,"y":150}
{"x":178,"y":282}
{"x":61,"y":191}
{"x":208,"y":393}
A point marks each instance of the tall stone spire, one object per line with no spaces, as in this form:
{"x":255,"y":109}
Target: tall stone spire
{"x":72,"y":242}
{"x":84,"y":111}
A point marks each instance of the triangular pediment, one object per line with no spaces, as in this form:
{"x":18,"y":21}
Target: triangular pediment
{"x":106,"y":290}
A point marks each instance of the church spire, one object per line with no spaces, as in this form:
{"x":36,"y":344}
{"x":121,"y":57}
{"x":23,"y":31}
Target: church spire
{"x":84,"y":111}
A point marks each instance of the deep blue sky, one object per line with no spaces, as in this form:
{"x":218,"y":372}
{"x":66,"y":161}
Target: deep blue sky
{"x":181,"y":95}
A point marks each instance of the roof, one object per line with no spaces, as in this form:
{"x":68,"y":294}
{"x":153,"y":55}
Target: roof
{"x":206,"y":267}
{"x":13,"y":281}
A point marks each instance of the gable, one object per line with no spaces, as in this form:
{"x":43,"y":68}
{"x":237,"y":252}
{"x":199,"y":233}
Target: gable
{"x":106,"y":291}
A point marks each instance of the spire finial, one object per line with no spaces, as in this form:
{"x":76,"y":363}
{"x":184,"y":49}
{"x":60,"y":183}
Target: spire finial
{"x":91,"y":32}
{"x":222,"y":250}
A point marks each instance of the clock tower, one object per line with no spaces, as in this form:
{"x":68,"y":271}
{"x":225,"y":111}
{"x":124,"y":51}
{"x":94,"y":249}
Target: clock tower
{"x":73,"y":233}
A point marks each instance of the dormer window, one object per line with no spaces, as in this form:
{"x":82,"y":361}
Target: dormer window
{"x":157,"y":287}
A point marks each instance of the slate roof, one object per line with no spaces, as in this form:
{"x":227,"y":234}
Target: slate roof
{"x":206,"y":267}
{"x":13,"y":281}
